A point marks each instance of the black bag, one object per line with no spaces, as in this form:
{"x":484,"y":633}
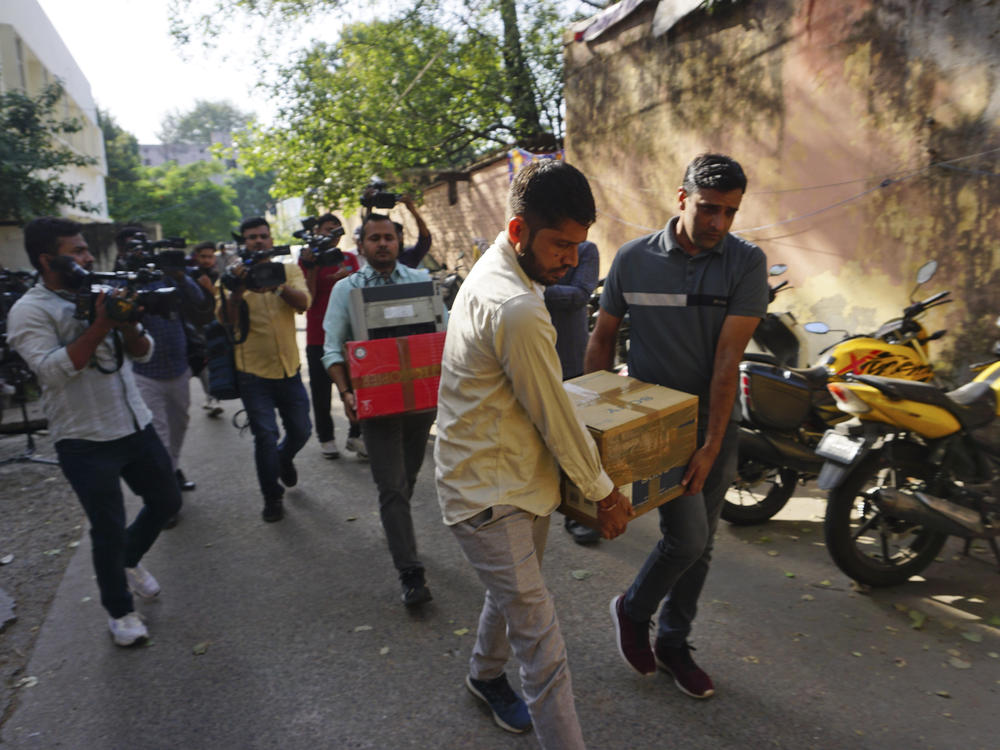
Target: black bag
{"x":221,"y":362}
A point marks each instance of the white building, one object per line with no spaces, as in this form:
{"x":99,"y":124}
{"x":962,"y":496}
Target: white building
{"x":32,"y":55}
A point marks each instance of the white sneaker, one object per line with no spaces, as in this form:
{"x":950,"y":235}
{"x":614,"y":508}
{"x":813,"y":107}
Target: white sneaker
{"x":142,"y":582}
{"x":357,"y":445}
{"x":127,"y":630}
{"x":329,"y":449}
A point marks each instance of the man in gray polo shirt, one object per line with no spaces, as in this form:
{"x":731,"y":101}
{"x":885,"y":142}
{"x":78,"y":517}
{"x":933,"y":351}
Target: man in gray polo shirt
{"x":695,"y":294}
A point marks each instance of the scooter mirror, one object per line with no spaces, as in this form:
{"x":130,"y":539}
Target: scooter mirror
{"x":777,"y":269}
{"x":927,"y":271}
{"x":817,"y":327}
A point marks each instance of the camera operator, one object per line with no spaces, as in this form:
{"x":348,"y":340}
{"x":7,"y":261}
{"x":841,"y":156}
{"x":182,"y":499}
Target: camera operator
{"x":320,"y":280}
{"x":101,"y":426}
{"x":205,"y":271}
{"x":267,"y":368}
{"x":375,"y":195}
{"x":164,"y":380}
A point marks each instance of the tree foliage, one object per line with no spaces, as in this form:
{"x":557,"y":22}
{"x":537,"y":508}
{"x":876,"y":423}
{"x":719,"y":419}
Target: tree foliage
{"x":204,"y":118}
{"x":121,"y":150}
{"x":33,"y":156}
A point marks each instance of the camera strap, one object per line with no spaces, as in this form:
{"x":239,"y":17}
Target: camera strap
{"x":244,"y":322}
{"x":119,"y":350}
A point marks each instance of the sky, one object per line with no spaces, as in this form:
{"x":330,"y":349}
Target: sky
{"x":124,"y":49}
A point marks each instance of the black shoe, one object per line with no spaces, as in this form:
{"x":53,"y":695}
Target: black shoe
{"x":288,"y":475}
{"x":274,"y":510}
{"x":415,"y":589}
{"x":582,"y":534}
{"x":183,"y":482}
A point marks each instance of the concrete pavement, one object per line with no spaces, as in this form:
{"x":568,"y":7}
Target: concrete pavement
{"x":292,"y":635}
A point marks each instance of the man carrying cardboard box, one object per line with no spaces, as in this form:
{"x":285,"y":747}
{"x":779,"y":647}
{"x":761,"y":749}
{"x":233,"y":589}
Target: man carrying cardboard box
{"x":695,"y":294}
{"x":505,"y":426}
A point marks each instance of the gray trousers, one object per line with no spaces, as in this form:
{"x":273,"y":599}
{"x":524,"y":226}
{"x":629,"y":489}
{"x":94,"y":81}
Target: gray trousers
{"x":169,"y":401}
{"x":505,"y":546}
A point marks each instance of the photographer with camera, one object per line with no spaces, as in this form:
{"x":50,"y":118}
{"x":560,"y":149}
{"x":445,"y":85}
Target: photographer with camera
{"x":376,"y":196}
{"x":205,"y":271}
{"x":99,"y":422}
{"x":267,"y":360}
{"x":322,"y":270}
{"x":164,"y":381}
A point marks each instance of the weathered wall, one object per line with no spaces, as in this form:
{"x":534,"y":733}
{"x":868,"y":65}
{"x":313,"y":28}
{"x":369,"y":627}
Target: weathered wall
{"x":857,"y":122}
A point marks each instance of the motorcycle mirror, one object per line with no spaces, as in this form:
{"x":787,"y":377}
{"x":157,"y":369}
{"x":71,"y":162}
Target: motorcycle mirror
{"x":777,"y":269}
{"x":816,"y":326}
{"x":927,"y":271}
{"x":460,"y":255}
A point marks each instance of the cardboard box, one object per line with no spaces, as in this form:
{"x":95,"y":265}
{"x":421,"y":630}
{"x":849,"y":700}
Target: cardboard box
{"x":395,"y":375}
{"x":645,"y":434}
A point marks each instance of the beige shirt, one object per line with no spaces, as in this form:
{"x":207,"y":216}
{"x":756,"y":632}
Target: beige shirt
{"x":505,"y":424}
{"x":270,"y":350}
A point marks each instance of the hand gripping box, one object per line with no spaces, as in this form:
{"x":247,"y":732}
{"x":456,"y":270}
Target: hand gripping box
{"x":395,"y":375}
{"x":645,"y":433}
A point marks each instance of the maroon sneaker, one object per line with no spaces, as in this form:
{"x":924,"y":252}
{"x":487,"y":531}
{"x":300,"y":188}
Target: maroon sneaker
{"x":632,"y":638}
{"x":688,"y":676}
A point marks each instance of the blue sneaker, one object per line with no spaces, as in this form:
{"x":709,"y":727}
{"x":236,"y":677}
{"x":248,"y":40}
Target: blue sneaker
{"x":509,"y":711}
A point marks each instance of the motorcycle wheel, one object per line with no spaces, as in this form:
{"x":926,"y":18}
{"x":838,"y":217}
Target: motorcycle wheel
{"x":868,"y":545}
{"x":750,"y":502}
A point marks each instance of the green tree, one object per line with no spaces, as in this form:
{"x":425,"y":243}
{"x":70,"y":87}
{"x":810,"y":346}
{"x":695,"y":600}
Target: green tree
{"x":32,"y":157}
{"x":253,"y":192}
{"x":190,"y":201}
{"x":125,"y":170}
{"x":204,"y":118}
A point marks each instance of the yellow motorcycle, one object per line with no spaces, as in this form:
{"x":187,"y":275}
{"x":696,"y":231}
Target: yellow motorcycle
{"x":916,"y":464}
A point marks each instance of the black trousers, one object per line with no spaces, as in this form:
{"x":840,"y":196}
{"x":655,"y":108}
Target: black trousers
{"x":321,"y":391}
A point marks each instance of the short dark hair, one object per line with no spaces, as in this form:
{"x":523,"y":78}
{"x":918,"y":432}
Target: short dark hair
{"x":714,"y":172}
{"x":323,"y":218}
{"x":374,"y":217}
{"x":252,"y":222}
{"x":125,"y":234}
{"x":549,"y":191}
{"x":203,"y":246}
{"x":42,"y":235}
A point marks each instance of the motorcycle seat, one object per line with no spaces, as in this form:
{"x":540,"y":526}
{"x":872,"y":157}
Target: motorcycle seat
{"x":973,"y":405}
{"x":817,"y":376}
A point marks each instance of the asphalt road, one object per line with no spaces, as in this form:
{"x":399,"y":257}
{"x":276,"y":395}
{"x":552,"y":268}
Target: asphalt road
{"x":292,"y":635}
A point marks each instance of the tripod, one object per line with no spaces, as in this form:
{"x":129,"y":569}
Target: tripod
{"x":28,"y":455}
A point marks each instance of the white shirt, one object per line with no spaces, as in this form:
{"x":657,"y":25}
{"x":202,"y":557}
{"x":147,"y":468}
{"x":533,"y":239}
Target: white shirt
{"x":84,"y":404}
{"x":505,"y":424}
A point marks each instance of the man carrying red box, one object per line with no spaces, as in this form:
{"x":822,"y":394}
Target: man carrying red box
{"x":396,"y":444}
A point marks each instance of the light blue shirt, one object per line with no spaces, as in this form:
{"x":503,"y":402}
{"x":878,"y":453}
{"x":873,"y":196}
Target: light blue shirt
{"x":337,"y":321}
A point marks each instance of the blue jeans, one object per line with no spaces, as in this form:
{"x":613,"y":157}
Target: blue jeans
{"x":94,"y":470}
{"x":675,"y":570}
{"x":261,"y":396}
{"x":396,"y":447}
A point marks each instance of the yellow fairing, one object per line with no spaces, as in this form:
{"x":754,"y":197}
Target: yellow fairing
{"x":991,"y":375}
{"x":868,"y":356}
{"x":924,"y":419}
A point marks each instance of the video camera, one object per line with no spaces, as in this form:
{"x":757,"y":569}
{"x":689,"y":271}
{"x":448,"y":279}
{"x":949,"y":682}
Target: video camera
{"x":259,"y":275}
{"x":140,"y":253}
{"x":323,"y":248}
{"x":125,"y":309}
{"x":381,"y":198}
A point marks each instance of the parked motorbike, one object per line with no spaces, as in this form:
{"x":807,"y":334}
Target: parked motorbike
{"x":779,"y":339}
{"x":452,"y":282}
{"x":917,"y":465}
{"x":785,"y":411}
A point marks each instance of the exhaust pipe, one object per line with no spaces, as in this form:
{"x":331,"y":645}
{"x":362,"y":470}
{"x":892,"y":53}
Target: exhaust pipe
{"x":932,"y":511}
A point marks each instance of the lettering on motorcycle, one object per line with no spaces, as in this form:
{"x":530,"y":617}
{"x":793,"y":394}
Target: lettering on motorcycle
{"x":889,"y":365}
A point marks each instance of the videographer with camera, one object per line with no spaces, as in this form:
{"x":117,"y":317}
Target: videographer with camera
{"x":375,"y":195}
{"x":99,"y":422}
{"x":267,"y":296}
{"x":164,"y":381}
{"x":205,"y":271}
{"x":324,"y":264}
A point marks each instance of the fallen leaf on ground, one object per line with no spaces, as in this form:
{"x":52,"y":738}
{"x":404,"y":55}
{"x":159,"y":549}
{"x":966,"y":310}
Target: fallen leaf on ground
{"x":953,"y":652}
{"x":808,"y":597}
{"x":581,"y":575}
{"x":73,"y":545}
{"x":900,"y":607}
{"x":352,"y":518}
{"x":861,"y":588}
{"x":26,"y":682}
{"x":362,"y":628}
{"x":6,"y":559}
{"x":789,"y":574}
{"x":943,"y":693}
{"x":855,"y":653}
{"x":53,"y":552}
{"x":383,"y":651}
{"x":773,"y":552}
{"x":751,"y":659}
{"x":200,"y":648}
{"x":918,"y":618}
{"x":825,"y":583}
{"x":891,"y":629}
{"x":900,"y":661}
{"x":994,"y":621}
{"x":461,"y":631}
{"x":972,"y":636}
{"x":959,"y":663}
{"x":762,"y":539}
{"x":993,"y":655}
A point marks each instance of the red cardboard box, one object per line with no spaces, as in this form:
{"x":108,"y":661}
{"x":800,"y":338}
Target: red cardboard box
{"x":394,"y":376}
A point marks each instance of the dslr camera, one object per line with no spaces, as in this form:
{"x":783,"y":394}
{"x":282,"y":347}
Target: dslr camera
{"x":261,"y":272}
{"x":381,"y":198}
{"x":323,"y":247}
{"x":125,"y":309}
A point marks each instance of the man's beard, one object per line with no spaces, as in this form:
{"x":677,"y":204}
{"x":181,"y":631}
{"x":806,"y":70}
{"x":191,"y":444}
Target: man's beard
{"x":526,"y":259}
